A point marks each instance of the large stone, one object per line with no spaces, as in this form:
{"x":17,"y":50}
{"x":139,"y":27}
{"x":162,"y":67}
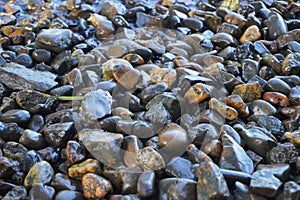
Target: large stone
{"x":41,"y":172}
{"x":56,"y":40}
{"x":104,"y":146}
{"x":95,"y":186}
{"x":18,"y":77}
{"x":234,"y":157}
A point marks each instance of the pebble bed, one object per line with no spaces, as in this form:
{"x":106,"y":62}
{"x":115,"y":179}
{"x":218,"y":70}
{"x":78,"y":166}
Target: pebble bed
{"x":149,"y":99}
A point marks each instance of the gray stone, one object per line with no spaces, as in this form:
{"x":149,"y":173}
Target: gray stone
{"x":40,"y":191}
{"x":18,"y":77}
{"x":280,"y":170}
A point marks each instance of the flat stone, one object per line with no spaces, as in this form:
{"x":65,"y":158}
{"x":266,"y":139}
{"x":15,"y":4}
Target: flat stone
{"x":242,"y":192}
{"x":18,"y":77}
{"x":180,"y":168}
{"x":64,"y":182}
{"x":41,"y":172}
{"x":41,"y":191}
{"x":264,"y":183}
{"x":146,"y":184}
{"x":99,"y":143}
{"x":234,"y":157}
{"x":281,"y":170}
{"x":56,"y":40}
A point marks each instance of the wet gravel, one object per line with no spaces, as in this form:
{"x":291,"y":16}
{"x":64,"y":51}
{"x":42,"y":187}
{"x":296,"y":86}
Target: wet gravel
{"x":162,"y":99}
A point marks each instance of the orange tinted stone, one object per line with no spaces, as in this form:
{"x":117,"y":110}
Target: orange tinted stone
{"x":197,"y":93}
{"x":95,"y":186}
{"x":276,"y":98}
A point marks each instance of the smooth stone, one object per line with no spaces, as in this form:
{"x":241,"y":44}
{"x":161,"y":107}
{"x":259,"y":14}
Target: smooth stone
{"x":242,"y":191}
{"x":180,"y":168}
{"x":163,"y":75}
{"x":292,"y":137}
{"x":126,"y":76}
{"x":232,"y":175}
{"x":75,"y":152}
{"x":280,"y":170}
{"x":248,"y":92}
{"x":36,"y":123}
{"x":222,"y":39}
{"x":155,"y":89}
{"x":19,"y":116}
{"x":18,"y":77}
{"x":146,"y":184}
{"x":68,"y":194}
{"x":277,"y":85}
{"x":64,"y":182}
{"x":24,"y":59}
{"x":261,"y":107}
{"x":260,"y":48}
{"x":276,"y":24}
{"x":58,"y":134}
{"x":256,"y":140}
{"x":115,"y":51}
{"x":234,"y":157}
{"x":41,"y":172}
{"x":228,"y":130}
{"x":32,"y":139}
{"x":193,"y":24}
{"x":264,"y":183}
{"x":282,"y":153}
{"x":294,"y":46}
{"x":112,"y":8}
{"x":65,"y":90}
{"x":105,"y":27}
{"x":197,"y":93}
{"x":95,"y":186}
{"x":61,"y":63}
{"x":252,"y":34}
{"x":173,"y":140}
{"x":235,"y":18}
{"x":56,"y":40}
{"x":276,"y":99}
{"x":17,"y":192}
{"x":171,"y":188}
{"x":211,"y":183}
{"x":129,"y":177}
{"x":49,"y":154}
{"x":40,"y":191}
{"x":41,"y":55}
{"x":77,"y":171}
{"x":145,"y":20}
{"x":98,"y":143}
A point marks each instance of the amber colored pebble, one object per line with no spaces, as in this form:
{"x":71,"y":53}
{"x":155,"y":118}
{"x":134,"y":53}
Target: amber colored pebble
{"x":77,"y":171}
{"x":235,"y":18}
{"x":293,"y":137}
{"x":134,"y":59}
{"x":276,"y":98}
{"x":125,"y":76}
{"x":226,"y":111}
{"x":237,"y":103}
{"x":74,"y":152}
{"x":252,"y":34}
{"x":197,"y":93}
{"x":163,"y":75}
{"x":248,"y":91}
{"x":95,"y":186}
{"x":180,"y":61}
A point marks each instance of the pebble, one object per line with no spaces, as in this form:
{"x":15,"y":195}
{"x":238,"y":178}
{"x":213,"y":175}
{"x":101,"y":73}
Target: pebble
{"x":242,"y":191}
{"x":278,"y":85}
{"x":32,"y":139}
{"x":77,"y":171}
{"x":19,"y":116}
{"x":280,"y":170}
{"x":180,"y":168}
{"x":8,"y":166}
{"x":41,"y":191}
{"x":276,"y":99}
{"x":291,"y":64}
{"x":234,"y":157}
{"x":197,"y":93}
{"x":236,"y":102}
{"x":276,"y":25}
{"x":41,"y":172}
{"x":75,"y":152}
{"x":226,"y":111}
{"x":170,"y":188}
{"x":15,"y":193}
{"x":68,"y":194}
{"x":104,"y":27}
{"x":282,"y":153}
{"x":110,"y":142}
{"x":56,"y":40}
{"x":146,"y":184}
{"x":264,"y":183}
{"x":248,"y":92}
{"x":149,"y":159}
{"x":19,"y":77}
{"x":95,"y":186}
{"x":58,"y":134}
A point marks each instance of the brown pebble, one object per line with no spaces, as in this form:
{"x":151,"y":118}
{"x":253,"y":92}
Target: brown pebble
{"x":237,"y":103}
{"x":197,"y":93}
{"x":226,"y":111}
{"x":248,"y":92}
{"x":252,"y":34}
{"x":77,"y":171}
{"x":95,"y":186}
{"x":276,"y":98}
{"x":235,"y":18}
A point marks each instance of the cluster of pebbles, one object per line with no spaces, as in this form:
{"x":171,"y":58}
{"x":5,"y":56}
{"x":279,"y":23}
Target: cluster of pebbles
{"x":149,"y":99}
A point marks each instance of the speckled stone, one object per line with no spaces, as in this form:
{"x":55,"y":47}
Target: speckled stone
{"x":77,"y":171}
{"x":41,"y":172}
{"x":248,"y":92}
{"x":95,"y":186}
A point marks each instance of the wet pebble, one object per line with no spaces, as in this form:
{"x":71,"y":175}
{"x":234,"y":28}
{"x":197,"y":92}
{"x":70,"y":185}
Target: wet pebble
{"x":41,"y":191}
{"x":252,"y":34}
{"x":16,"y":192}
{"x":95,"y":186}
{"x":41,"y":172}
{"x":32,"y":139}
{"x":276,"y":25}
{"x":77,"y":171}
{"x":74,"y":152}
{"x":19,"y":116}
{"x":294,"y":96}
{"x":248,"y":92}
{"x":68,"y":194}
{"x":280,"y":170}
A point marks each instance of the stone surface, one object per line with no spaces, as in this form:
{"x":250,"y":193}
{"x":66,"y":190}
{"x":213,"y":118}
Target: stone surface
{"x":40,"y":191}
{"x":248,"y":92}
{"x":95,"y":186}
{"x":77,"y":171}
{"x":41,"y":172}
{"x":19,"y":77}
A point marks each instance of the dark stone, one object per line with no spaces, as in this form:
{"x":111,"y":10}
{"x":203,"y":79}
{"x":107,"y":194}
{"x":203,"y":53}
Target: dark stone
{"x":40,"y":191}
